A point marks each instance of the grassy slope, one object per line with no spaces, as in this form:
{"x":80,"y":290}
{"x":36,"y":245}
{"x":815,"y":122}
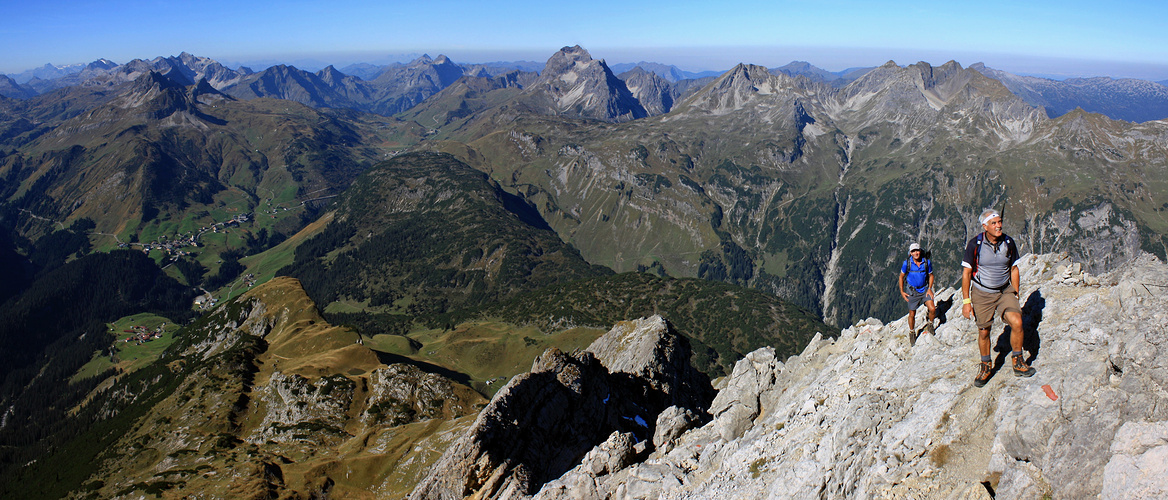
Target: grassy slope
{"x":206,"y":400}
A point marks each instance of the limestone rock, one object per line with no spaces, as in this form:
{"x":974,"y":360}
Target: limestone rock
{"x":296,"y":407}
{"x":1139,"y":464}
{"x":650,"y":350}
{"x":736,"y":406}
{"x":869,"y":416}
{"x":671,"y":423}
{"x":550,"y":420}
{"x":401,"y":393}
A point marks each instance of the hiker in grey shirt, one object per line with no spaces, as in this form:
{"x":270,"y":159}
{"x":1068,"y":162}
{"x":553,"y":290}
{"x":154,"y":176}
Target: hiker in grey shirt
{"x":989,"y":283}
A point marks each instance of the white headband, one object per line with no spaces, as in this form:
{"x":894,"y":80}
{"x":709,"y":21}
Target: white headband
{"x":989,"y":216}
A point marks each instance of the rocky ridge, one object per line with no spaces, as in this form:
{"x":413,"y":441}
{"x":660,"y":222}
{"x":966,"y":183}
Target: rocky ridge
{"x":611,"y":395}
{"x":869,"y":416}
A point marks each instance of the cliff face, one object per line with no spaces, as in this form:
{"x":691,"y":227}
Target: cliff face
{"x":869,"y":416}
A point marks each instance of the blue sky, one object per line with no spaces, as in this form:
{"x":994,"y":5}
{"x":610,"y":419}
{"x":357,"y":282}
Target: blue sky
{"x":1063,"y":38}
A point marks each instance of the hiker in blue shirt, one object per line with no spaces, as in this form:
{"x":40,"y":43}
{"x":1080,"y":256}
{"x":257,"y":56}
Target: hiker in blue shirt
{"x":990,"y":283}
{"x":918,"y":272}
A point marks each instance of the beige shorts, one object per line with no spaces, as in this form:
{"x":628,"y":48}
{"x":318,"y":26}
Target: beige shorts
{"x":986,"y":305}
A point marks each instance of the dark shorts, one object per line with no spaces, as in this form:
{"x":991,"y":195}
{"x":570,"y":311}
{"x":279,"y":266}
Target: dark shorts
{"x":915,"y":299}
{"x":987,"y":304}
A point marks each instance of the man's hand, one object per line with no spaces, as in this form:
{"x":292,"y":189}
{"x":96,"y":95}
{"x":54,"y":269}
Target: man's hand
{"x":904,"y":295}
{"x":967,"y":310}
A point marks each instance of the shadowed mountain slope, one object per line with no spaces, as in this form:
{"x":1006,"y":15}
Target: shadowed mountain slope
{"x":425,"y":233}
{"x":261,"y":397}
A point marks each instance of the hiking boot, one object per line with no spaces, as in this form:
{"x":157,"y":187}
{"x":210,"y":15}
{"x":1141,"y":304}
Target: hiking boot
{"x":983,"y":374}
{"x":912,"y":338}
{"x":1021,"y":369}
{"x":930,"y":329}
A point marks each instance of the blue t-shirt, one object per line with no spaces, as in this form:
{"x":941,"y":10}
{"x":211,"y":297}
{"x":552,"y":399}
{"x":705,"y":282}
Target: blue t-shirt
{"x":917,"y":276}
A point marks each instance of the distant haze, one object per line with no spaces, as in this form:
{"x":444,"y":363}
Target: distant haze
{"x":1057,"y":39}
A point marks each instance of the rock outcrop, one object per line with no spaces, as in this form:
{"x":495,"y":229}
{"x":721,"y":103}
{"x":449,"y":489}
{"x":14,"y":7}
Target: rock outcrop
{"x":595,"y":409}
{"x":869,"y":416}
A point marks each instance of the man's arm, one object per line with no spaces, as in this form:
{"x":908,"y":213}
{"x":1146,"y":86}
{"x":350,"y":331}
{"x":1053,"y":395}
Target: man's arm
{"x":966,"y":277}
{"x":929,"y":292}
{"x":901,"y":286}
{"x":1015,"y":280}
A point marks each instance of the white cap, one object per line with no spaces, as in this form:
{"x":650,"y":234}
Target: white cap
{"x":989,"y":215}
{"x":914,"y":246}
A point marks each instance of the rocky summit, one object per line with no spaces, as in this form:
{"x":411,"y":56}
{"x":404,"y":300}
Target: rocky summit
{"x":868,"y":415}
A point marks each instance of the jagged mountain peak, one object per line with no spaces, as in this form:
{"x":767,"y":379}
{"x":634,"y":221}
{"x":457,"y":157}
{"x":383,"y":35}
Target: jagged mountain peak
{"x":804,"y":68}
{"x":9,"y":88}
{"x":423,"y":74}
{"x":193,"y":62}
{"x":101,"y":64}
{"x":568,"y":58}
{"x":933,"y":76}
{"x":935,"y":86}
{"x":653,"y":91}
{"x":575,"y":51}
{"x":670,"y":73}
{"x":579,"y":86}
{"x":204,"y":89}
{"x":151,"y":81}
{"x":742,"y":85}
{"x":634,"y":71}
{"x":330,"y":75}
{"x":800,"y":65}
{"x":421,"y":60}
{"x":750,"y":72}
{"x":157,"y":96}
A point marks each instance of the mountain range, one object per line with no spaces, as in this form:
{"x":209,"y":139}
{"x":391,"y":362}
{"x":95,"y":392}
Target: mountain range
{"x":445,"y":227}
{"x":407,"y":84}
{"x":1122,"y":99}
{"x":786,"y":184}
{"x":734,"y":163}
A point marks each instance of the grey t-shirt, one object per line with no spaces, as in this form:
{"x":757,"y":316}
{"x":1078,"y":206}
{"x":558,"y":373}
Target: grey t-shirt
{"x":991,"y":264}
